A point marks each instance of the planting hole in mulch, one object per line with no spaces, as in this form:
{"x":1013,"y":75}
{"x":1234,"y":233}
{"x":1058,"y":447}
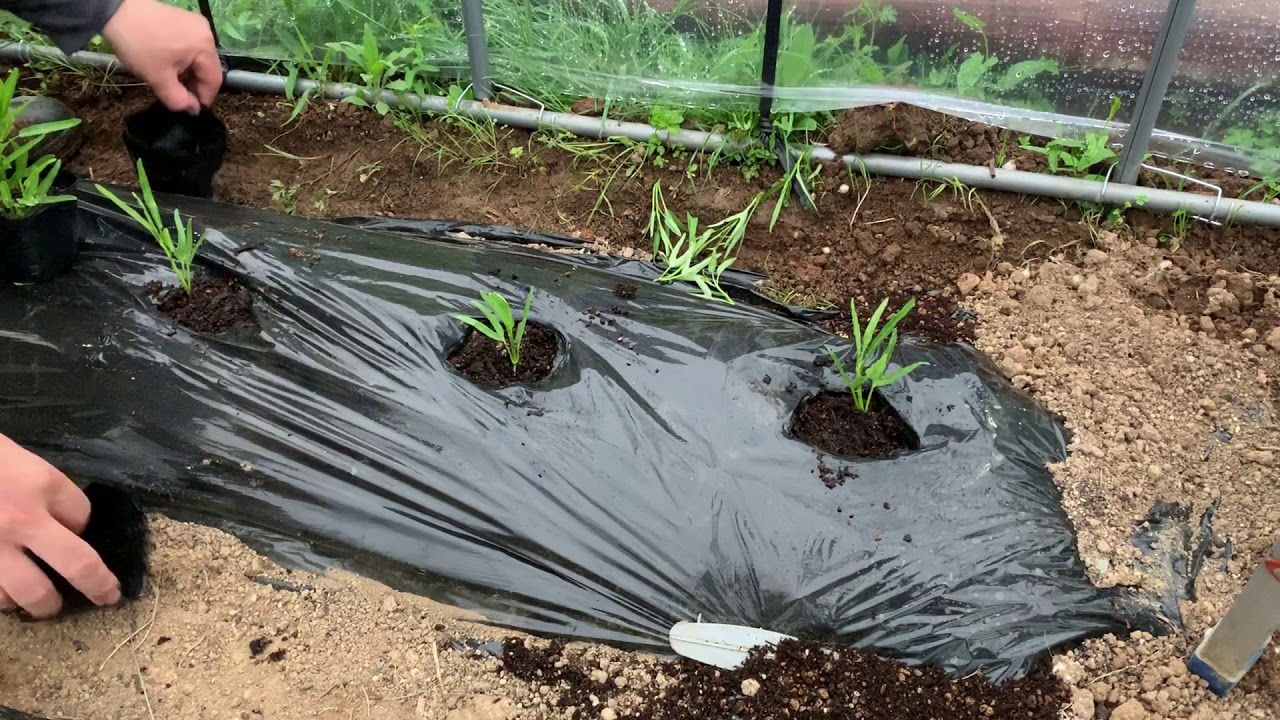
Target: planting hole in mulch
{"x":216,"y":304}
{"x":831,"y":422}
{"x":485,"y":362}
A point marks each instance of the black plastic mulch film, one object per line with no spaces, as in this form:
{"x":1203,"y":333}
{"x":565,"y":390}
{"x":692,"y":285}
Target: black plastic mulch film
{"x":651,"y":480}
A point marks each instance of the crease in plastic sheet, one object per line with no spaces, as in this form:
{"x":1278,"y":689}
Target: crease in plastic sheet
{"x":644,"y":484}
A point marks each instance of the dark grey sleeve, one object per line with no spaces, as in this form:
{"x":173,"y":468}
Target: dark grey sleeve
{"x":71,"y":24}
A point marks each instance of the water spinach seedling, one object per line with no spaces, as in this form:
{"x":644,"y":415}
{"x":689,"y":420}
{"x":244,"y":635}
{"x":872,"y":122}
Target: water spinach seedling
{"x":498,"y":325}
{"x":26,"y":185}
{"x":179,"y":243}
{"x":872,"y":351}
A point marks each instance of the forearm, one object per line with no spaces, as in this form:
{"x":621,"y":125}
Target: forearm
{"x":71,"y":24}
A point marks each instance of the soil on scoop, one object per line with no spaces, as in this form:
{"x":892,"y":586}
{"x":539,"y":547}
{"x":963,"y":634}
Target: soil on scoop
{"x":831,"y":422}
{"x":217,"y":304}
{"x":485,"y":362}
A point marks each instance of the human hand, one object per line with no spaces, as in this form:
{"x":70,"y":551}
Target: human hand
{"x":170,"y":49}
{"x":44,"y":512}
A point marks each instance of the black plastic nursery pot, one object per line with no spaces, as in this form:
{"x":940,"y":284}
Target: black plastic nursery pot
{"x":118,"y":532}
{"x":44,"y":244}
{"x":180,"y":153}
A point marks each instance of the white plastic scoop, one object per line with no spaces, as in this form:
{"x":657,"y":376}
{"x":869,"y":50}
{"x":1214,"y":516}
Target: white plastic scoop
{"x":722,"y":646}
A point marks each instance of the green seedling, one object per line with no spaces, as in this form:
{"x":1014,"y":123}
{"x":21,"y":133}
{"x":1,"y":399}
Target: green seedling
{"x":693,"y":255}
{"x":1075,"y":156}
{"x":179,"y":243}
{"x":498,"y":325}
{"x":25,"y":186}
{"x":871,"y":353}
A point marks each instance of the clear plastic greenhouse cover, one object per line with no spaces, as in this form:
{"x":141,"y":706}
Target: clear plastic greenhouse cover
{"x":1039,"y":66}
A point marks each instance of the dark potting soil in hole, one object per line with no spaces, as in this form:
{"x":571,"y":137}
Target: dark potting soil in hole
{"x":485,"y":362}
{"x":216,"y":304}
{"x":832,"y":423}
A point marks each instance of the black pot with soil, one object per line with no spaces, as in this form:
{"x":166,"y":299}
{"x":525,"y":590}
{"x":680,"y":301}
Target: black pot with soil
{"x":180,"y":153}
{"x":118,"y":532}
{"x":45,"y":243}
{"x":486,"y":363}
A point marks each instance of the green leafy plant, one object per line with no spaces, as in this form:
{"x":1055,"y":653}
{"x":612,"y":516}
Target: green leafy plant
{"x":284,"y":197}
{"x":498,"y":325}
{"x":871,"y":353}
{"x":25,"y":185}
{"x":1078,"y":156}
{"x":179,"y":243}
{"x":698,"y":256}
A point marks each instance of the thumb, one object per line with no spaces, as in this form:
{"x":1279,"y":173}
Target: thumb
{"x":173,"y":94}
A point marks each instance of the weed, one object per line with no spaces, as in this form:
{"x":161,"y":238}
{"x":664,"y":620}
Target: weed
{"x":1078,"y":156}
{"x":871,"y":354}
{"x":1267,"y":189}
{"x":802,"y":173}
{"x":498,"y":324}
{"x":1181,"y":226}
{"x":284,"y":197}
{"x":930,"y":189}
{"x":692,"y":255}
{"x":612,"y":159}
{"x":181,"y":250}
{"x":25,"y":186}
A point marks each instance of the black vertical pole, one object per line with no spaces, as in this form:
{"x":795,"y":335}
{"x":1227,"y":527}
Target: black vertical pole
{"x":207,"y":11}
{"x":769,"y":68}
{"x":768,"y":76}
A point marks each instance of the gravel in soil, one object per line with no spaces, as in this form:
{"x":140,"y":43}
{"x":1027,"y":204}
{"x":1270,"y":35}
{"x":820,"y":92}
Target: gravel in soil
{"x":217,"y":304}
{"x":486,"y":362}
{"x":831,"y":422}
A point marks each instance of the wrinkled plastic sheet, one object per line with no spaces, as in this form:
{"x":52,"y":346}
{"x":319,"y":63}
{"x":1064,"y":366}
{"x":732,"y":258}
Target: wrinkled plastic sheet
{"x":649,"y":481}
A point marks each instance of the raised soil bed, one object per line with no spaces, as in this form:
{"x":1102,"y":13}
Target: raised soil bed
{"x":881,"y":240}
{"x":888,"y":243}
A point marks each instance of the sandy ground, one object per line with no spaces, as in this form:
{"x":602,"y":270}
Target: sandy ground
{"x":1142,"y":389}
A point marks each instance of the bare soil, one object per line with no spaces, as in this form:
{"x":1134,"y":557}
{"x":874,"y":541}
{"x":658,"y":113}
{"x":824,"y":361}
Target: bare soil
{"x":486,"y":362}
{"x":1152,"y":353}
{"x":831,"y":422}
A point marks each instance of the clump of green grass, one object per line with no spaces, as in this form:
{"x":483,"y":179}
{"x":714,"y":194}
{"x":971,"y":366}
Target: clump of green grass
{"x":498,"y":324}
{"x":872,"y":352}
{"x":179,"y":243}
